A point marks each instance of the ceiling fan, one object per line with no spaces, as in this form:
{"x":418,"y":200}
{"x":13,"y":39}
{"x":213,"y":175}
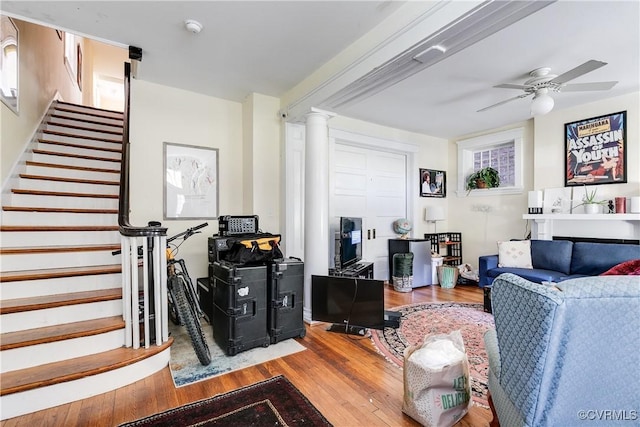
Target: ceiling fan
{"x":542,"y":82}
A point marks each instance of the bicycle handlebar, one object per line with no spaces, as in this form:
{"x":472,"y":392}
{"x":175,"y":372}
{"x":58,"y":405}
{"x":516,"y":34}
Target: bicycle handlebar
{"x":187,"y":233}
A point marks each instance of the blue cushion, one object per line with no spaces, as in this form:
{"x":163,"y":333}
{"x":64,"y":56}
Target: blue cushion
{"x":536,"y":275}
{"x":552,"y":255}
{"x":592,"y":259}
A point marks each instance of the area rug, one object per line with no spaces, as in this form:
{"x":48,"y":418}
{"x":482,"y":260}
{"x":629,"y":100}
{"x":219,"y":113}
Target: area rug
{"x":274,"y":402}
{"x":420,"y":320}
{"x":186,"y":369}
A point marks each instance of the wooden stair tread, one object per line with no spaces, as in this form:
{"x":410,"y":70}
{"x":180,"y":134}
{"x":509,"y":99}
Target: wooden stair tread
{"x":73,"y":135}
{"x":62,"y":193}
{"x":72,"y":145}
{"x":75,"y":156}
{"x":58,"y":210}
{"x":11,"y":340}
{"x":74,"y":369}
{"x":75,"y":180}
{"x":66,"y":228}
{"x":73,"y":167}
{"x":20,"y":305}
{"x":58,"y":249}
{"x":84,"y":128}
{"x":56,"y":115}
{"x":55,"y":273}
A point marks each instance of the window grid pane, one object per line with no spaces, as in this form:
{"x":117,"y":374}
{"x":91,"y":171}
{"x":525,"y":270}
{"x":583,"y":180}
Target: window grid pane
{"x":501,"y":158}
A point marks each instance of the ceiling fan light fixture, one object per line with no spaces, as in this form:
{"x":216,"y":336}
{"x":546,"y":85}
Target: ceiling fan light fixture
{"x":542,"y":103}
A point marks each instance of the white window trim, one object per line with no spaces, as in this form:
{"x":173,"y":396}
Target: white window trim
{"x":467,"y":147}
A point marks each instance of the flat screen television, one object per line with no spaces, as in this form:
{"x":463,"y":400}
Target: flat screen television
{"x":351,"y":304}
{"x":350,"y":241}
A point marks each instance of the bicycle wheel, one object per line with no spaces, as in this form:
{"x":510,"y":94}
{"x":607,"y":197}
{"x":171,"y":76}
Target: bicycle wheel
{"x":190,"y":320}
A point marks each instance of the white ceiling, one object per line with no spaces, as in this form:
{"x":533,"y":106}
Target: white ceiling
{"x":270,"y":46}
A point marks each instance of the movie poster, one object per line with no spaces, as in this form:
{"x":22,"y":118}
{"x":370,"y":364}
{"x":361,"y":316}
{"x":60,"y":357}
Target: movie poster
{"x":595,"y":150}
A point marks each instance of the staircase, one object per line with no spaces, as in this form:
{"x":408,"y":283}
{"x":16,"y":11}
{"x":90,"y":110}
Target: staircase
{"x":60,"y":286}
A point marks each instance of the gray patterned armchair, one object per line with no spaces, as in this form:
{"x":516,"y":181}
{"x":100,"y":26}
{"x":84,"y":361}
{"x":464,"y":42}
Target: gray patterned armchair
{"x":565,"y":355}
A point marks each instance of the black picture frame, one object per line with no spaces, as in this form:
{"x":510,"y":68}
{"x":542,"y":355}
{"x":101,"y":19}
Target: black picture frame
{"x":596,"y":151}
{"x":437,"y":186}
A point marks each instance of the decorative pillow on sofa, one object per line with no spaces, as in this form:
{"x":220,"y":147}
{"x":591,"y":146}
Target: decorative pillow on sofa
{"x":516,"y":253}
{"x":627,"y":268}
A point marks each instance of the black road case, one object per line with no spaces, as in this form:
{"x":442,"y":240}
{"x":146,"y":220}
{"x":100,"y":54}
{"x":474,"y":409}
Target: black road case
{"x":205,"y":297}
{"x":240,"y":307}
{"x":286,"y":285}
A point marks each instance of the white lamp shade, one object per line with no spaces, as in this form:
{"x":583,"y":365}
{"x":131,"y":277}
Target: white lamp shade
{"x":434,"y":213}
{"x":535,"y":199}
{"x":542,"y":103}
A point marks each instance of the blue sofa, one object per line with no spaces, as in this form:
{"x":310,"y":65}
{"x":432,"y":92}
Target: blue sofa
{"x":558,"y":260}
{"x":565,"y":355}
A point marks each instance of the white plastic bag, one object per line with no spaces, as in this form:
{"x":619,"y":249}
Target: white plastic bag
{"x":437,"y":391}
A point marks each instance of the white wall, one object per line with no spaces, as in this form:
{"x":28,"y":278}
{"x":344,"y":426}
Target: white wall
{"x":164,"y":114}
{"x":42,"y":73}
{"x":483,"y":220}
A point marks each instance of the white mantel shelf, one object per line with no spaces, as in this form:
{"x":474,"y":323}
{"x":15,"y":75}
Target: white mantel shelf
{"x":618,"y":226}
{"x":590,"y":217}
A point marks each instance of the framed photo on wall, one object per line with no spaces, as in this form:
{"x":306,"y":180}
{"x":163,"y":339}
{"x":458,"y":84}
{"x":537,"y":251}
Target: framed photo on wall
{"x":190,"y":182}
{"x":595,"y":150}
{"x":433,"y":183}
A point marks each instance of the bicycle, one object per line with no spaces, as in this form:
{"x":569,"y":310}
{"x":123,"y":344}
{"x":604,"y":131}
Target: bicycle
{"x":183,"y":300}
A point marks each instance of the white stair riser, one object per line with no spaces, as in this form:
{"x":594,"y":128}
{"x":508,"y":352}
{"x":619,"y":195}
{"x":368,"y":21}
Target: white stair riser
{"x":93,"y":150}
{"x":71,"y":161}
{"x":61,"y":285}
{"x":80,"y":116}
{"x":90,"y":133}
{"x":63,"y":202}
{"x":72,"y":173}
{"x":62,"y":218}
{"x":114,"y":141}
{"x":71,"y":187}
{"x":28,"y":357}
{"x":37,"y":261}
{"x":88,"y":123}
{"x":56,"y":316}
{"x":101,"y":146}
{"x":17,"y":404}
{"x":14,"y":239}
{"x":89,"y":112}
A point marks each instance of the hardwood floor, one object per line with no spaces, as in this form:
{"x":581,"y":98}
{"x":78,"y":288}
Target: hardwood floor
{"x":343,"y":376}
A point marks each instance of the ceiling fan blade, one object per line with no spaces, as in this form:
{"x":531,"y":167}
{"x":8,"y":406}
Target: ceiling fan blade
{"x":505,"y":101}
{"x":510,"y":86}
{"x":585,"y":68}
{"x":577,"y":87}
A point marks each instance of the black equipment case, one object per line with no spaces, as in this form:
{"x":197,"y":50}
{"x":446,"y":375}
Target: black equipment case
{"x":240,"y":307}
{"x":285,"y":279}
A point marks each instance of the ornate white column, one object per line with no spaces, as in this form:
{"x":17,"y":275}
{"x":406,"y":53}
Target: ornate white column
{"x":316,"y":204}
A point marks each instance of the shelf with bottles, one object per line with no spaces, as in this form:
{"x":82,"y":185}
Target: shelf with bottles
{"x":448,"y":245}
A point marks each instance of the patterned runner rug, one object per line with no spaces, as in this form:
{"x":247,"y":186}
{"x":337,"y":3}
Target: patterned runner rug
{"x":420,"y":320}
{"x":274,"y":402}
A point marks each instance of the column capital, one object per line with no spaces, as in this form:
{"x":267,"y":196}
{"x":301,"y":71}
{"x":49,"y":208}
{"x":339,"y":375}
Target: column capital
{"x":315,"y":112}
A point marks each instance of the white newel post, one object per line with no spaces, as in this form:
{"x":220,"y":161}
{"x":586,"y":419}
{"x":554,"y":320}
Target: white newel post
{"x":316,"y":205}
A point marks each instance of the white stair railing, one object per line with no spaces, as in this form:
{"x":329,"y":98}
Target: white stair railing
{"x":144,"y":296}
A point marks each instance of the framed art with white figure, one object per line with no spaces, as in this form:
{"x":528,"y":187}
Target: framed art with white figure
{"x":191,"y":182}
{"x":433,"y":183}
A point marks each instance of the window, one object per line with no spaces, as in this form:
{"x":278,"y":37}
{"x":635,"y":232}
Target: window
{"x":502,"y":151}
{"x":9,"y":63}
{"x":71,"y":55}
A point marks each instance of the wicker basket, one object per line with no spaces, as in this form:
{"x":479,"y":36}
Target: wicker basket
{"x":403,"y":284}
{"x":448,"y":276}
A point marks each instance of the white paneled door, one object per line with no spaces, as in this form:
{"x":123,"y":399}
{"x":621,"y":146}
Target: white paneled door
{"x":370,"y":184}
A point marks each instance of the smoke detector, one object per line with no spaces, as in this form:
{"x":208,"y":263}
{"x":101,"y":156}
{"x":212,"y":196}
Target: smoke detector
{"x":192,"y":25}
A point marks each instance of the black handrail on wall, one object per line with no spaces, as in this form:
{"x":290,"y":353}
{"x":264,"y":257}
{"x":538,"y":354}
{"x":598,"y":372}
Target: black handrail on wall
{"x":126,"y":229}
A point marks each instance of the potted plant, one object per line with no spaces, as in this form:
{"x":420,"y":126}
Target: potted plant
{"x":483,"y":178}
{"x":591,"y":205}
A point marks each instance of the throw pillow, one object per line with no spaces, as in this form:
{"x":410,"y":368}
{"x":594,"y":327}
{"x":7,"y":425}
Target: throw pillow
{"x":515,"y":254}
{"x":627,"y":268}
